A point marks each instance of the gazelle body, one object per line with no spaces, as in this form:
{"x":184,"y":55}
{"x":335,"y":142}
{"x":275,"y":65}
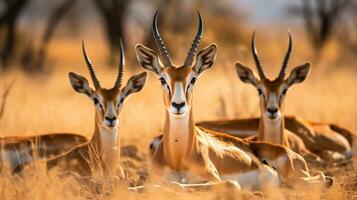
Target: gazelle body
{"x":309,"y":139}
{"x":194,"y":155}
{"x":102,"y":151}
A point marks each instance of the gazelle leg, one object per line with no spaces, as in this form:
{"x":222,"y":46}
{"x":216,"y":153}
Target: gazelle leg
{"x":208,"y":185}
{"x":320,"y":177}
{"x":312,"y":157}
{"x":188,"y":187}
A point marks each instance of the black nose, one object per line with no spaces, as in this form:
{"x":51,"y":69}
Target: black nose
{"x":178,"y":106}
{"x":110,"y":118}
{"x":272,"y":110}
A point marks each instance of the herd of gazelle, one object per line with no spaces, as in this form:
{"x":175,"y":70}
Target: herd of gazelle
{"x":249,"y":153}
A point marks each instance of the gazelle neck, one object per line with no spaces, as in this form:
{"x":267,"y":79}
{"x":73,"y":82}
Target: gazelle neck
{"x":179,"y":139}
{"x":271,"y":131}
{"x":106,"y":145}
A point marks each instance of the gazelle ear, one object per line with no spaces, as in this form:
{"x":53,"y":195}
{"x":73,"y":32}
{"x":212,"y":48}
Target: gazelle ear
{"x":134,"y":84}
{"x":298,"y":74}
{"x":80,"y":84}
{"x":205,"y":59}
{"x":246,"y":75}
{"x":148,"y":59}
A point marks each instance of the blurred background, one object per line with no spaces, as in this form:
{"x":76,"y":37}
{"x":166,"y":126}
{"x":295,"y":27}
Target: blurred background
{"x":36,"y":35}
{"x":40,"y":42}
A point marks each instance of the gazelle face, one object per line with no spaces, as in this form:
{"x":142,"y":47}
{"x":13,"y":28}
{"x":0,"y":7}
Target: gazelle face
{"x":177,"y":82}
{"x":272,"y":92}
{"x":108,"y":102}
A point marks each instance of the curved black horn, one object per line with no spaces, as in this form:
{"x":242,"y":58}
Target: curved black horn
{"x":160,"y":44}
{"x":256,"y":59}
{"x":90,"y":68}
{"x":121,"y":65}
{"x":195,"y":43}
{"x":286,"y":59}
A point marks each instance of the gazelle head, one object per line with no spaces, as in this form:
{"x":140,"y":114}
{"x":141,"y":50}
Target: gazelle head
{"x":177,"y":81}
{"x":107,"y":102}
{"x":272,"y":92}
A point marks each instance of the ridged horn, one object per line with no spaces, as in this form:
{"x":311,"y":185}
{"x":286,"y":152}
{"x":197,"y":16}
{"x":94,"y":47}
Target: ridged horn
{"x":195,"y":43}
{"x":286,"y":59}
{"x":256,"y":59}
{"x":90,"y":68}
{"x":160,"y":44}
{"x":121,"y":65}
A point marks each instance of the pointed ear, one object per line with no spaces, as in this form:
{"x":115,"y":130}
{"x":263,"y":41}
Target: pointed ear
{"x":246,"y":75}
{"x":298,"y":74}
{"x":80,"y":84}
{"x":148,"y":59}
{"x":205,"y":59}
{"x":134,"y":84}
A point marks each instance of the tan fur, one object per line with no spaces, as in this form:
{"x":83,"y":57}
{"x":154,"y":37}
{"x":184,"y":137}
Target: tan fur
{"x":212,"y":155}
{"x":306,"y":138}
{"x":98,"y":156}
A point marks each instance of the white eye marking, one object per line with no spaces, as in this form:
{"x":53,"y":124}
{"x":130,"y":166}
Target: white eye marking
{"x":283,"y":93}
{"x":121,"y":100}
{"x":191,"y":83}
{"x":97,"y":100}
{"x":164,"y":83}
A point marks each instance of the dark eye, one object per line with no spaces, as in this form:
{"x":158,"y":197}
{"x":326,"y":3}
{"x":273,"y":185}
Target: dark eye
{"x":193,"y":80}
{"x":95,"y":100}
{"x":260,"y":92}
{"x":122,"y":100}
{"x":284,"y":91}
{"x":163,"y":82}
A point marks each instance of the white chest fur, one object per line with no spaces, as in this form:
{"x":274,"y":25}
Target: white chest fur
{"x":272,"y":131}
{"x":178,"y":137}
{"x":110,"y":147}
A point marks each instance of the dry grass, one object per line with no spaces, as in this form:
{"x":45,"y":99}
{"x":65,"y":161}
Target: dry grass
{"x":47,"y":104}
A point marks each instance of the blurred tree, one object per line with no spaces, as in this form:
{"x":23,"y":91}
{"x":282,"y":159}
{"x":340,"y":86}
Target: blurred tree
{"x":33,"y":60}
{"x":222,"y":21}
{"x":113,"y":14}
{"x":173,"y":18}
{"x":347,"y":34}
{"x":4,"y":97}
{"x":320,"y":18}
{"x":8,"y":21}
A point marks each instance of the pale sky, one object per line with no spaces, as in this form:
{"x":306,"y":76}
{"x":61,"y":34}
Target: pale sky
{"x":266,"y":11}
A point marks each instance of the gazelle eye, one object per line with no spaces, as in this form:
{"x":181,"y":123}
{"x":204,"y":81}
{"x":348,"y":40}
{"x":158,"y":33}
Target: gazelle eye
{"x":193,"y":80}
{"x":284,"y":91}
{"x":95,"y":100}
{"x":163,"y":82}
{"x":260,"y":92}
{"x":120,"y":102}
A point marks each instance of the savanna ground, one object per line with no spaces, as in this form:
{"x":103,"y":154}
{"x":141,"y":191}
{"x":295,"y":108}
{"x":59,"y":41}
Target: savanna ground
{"x":41,"y":104}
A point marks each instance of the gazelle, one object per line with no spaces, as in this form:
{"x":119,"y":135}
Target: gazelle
{"x":325,"y":141}
{"x":77,"y":153}
{"x":195,"y":155}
